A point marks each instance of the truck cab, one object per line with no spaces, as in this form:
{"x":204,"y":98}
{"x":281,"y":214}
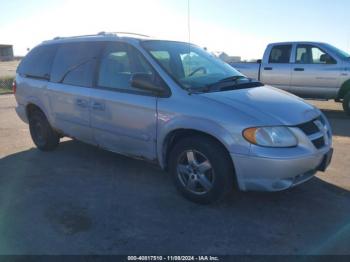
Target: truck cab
{"x":306,"y":69}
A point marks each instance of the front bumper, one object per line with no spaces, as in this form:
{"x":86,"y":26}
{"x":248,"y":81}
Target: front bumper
{"x":275,"y":174}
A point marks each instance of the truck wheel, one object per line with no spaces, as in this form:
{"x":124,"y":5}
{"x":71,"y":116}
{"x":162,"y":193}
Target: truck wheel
{"x":202,"y":169}
{"x":346,"y":103}
{"x":43,"y":136}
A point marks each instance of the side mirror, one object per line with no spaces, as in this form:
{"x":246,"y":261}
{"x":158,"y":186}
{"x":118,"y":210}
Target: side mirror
{"x":325,"y":58}
{"x":259,"y":61}
{"x":145,"y":81}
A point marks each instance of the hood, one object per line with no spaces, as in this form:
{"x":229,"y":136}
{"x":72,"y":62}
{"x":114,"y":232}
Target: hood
{"x":269,"y":105}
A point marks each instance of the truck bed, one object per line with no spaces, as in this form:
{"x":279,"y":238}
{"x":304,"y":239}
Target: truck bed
{"x":249,"y":69}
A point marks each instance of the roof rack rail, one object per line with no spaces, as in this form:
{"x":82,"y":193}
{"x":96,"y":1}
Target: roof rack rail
{"x":75,"y":36}
{"x":122,"y":33}
{"x":102,"y":34}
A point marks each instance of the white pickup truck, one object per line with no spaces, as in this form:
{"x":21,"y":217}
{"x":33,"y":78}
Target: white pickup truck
{"x":307,"y":69}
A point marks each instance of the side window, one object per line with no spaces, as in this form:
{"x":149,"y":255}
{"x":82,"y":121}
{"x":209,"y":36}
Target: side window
{"x":38,"y":62}
{"x":75,"y":63}
{"x":308,"y":54}
{"x":280,"y":54}
{"x":119,"y":62}
{"x":163,"y":57}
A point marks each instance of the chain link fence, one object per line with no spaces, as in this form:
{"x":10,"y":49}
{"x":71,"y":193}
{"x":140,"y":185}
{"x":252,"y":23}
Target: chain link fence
{"x":6,"y":84}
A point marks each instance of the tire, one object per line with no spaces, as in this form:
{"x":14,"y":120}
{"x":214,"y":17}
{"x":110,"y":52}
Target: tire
{"x":43,"y":136}
{"x":201,"y":169}
{"x":346,"y":103}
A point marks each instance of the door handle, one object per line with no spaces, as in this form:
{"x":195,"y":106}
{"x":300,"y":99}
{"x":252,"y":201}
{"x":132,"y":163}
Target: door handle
{"x":98,"y":106}
{"x":268,"y":68}
{"x":81,"y":103}
{"x":299,"y":69}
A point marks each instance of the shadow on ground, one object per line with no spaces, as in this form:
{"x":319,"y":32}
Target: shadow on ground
{"x":339,"y":120}
{"x":82,"y":200}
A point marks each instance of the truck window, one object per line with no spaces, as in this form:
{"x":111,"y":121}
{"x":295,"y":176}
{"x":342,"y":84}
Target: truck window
{"x":280,"y":54}
{"x":75,"y":63}
{"x":38,"y":62}
{"x":309,"y":54}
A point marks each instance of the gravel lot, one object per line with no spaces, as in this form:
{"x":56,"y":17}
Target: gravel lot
{"x":8,"y":68}
{"x":83,"y":200}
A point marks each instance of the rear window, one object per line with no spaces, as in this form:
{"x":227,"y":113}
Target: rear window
{"x":38,"y":62}
{"x":280,"y":54}
{"x":75,"y":63}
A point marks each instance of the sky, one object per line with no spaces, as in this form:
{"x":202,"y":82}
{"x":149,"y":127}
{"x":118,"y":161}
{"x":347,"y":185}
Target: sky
{"x":237,"y":27}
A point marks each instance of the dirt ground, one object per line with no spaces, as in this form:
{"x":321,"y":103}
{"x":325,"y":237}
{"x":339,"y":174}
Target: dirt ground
{"x":8,"y":68}
{"x":82,"y":200}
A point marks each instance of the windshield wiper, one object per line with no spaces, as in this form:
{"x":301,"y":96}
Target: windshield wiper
{"x":231,"y":78}
{"x":220,"y":85}
{"x":224,"y":81}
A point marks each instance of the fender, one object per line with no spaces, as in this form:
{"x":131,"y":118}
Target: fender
{"x":200,"y":125}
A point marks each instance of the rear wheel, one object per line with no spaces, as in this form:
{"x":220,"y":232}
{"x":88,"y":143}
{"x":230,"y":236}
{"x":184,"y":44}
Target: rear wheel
{"x":201,"y":169}
{"x":43,"y":136}
{"x":346,"y":103}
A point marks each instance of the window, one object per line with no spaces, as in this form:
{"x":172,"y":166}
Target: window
{"x":280,"y":54}
{"x":38,"y":62}
{"x":75,"y":63}
{"x":119,"y":62}
{"x":194,"y":64}
{"x":308,"y":54}
{"x":190,"y":66}
{"x":163,"y":58}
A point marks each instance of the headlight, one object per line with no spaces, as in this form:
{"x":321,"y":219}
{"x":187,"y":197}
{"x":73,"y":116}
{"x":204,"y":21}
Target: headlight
{"x":278,"y":136}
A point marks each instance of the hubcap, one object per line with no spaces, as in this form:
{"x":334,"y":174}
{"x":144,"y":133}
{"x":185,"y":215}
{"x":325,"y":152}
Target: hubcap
{"x":195,"y":172}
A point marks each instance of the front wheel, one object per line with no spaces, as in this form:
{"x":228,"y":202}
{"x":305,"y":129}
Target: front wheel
{"x":201,"y":169}
{"x":346,"y":103}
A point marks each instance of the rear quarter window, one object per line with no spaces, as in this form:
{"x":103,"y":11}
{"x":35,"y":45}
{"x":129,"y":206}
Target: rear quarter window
{"x":38,"y":62}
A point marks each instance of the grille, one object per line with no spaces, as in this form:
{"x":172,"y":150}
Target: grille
{"x":309,"y":128}
{"x":319,"y":142}
{"x":317,"y":132}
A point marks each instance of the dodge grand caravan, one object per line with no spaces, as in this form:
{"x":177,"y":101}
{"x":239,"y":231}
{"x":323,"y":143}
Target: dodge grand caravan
{"x":173,"y":104}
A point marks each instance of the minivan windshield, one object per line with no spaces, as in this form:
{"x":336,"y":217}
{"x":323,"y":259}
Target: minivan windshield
{"x":190,"y":66}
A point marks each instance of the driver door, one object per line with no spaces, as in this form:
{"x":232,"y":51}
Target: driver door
{"x":123,"y":118}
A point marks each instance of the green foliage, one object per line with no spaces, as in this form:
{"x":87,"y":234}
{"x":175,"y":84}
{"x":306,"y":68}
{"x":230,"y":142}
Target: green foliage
{"x":6,"y":84}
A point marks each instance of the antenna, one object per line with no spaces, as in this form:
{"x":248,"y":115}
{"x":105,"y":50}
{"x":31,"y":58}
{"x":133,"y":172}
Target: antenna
{"x":189,"y":20}
{"x":189,"y":32}
{"x":348,"y":45}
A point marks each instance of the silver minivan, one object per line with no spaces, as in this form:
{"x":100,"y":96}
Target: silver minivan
{"x":173,"y":104}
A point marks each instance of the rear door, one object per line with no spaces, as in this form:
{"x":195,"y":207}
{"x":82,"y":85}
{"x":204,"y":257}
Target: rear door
{"x":315,"y":74}
{"x":69,"y":91}
{"x":276,"y":71}
{"x":123,"y":118}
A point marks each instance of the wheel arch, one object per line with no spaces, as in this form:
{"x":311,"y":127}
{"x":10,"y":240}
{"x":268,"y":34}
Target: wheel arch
{"x":176,"y":135}
{"x":344,"y":89}
{"x":31,"y":107}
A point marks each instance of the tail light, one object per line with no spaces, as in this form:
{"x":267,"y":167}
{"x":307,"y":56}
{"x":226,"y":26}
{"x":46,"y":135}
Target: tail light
{"x":14,"y":86}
